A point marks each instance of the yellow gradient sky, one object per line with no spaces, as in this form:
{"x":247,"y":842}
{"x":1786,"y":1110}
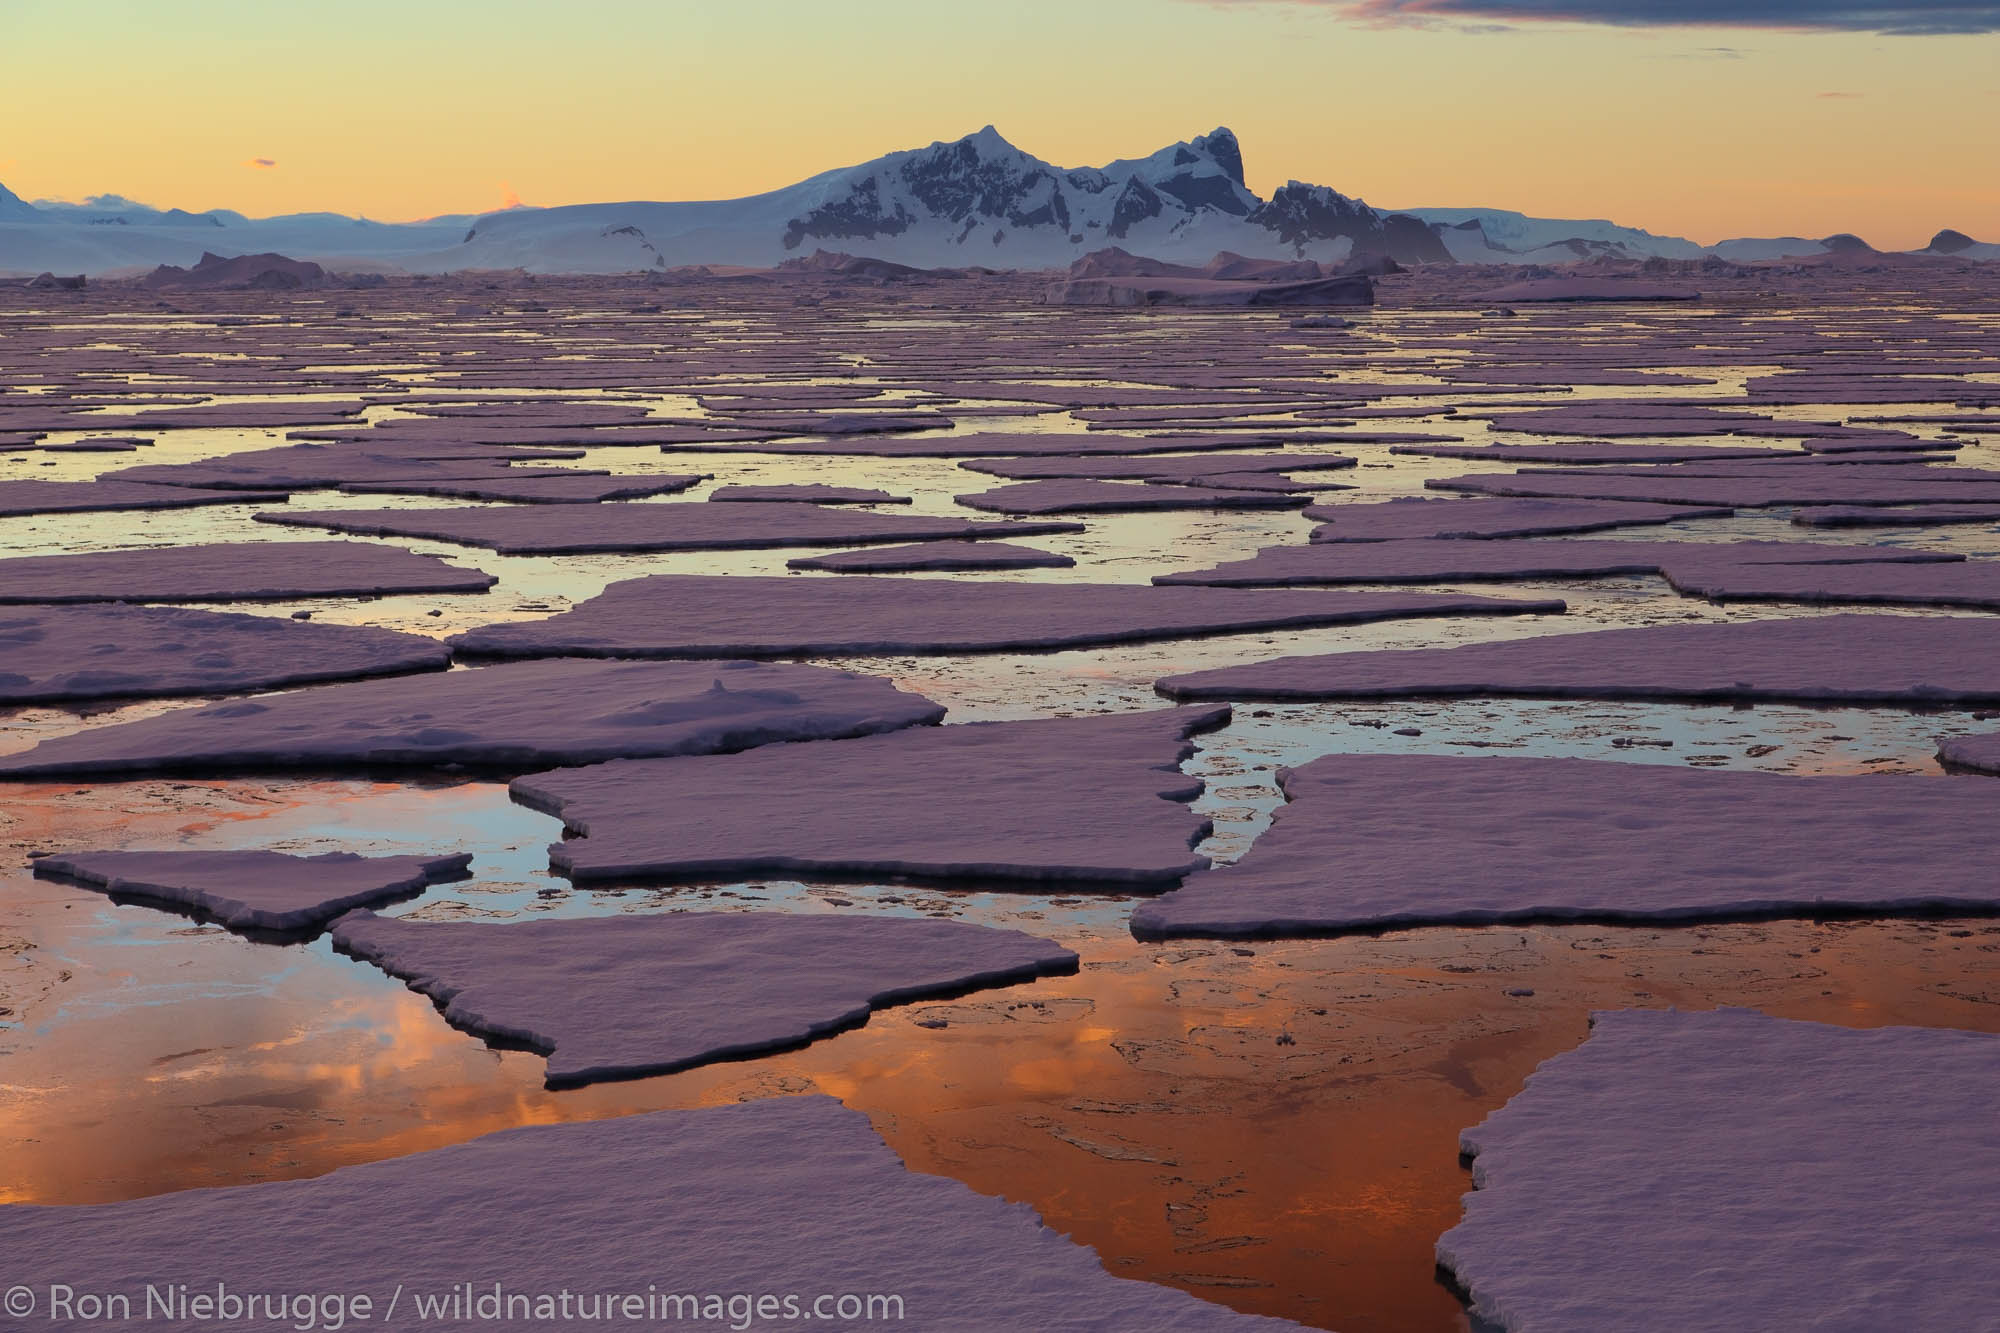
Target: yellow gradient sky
{"x":412,"y":108}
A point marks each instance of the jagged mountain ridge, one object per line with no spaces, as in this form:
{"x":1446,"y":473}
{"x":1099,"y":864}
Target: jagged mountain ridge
{"x":980,"y":200}
{"x":977,"y":201}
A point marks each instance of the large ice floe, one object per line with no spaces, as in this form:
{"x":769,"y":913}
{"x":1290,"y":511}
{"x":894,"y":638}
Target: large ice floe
{"x":54,"y":654}
{"x":515,"y":717}
{"x":525,"y":486}
{"x":1711,"y":569}
{"x":1390,"y":520}
{"x":1079,"y":495}
{"x":233,"y":572}
{"x":554,"y":530}
{"x":1979,"y":754}
{"x":1369,"y":842}
{"x":695,"y":615}
{"x":1083,"y":798}
{"x":622,"y":996}
{"x":920,"y":557}
{"x":254,"y":890}
{"x":792,"y":1197}
{"x":1854,"y":658}
{"x":72,"y":497}
{"x":1760,"y":490}
{"x":1728,"y":1170}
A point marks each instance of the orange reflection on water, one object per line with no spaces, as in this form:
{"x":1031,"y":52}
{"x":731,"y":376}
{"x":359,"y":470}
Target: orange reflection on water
{"x":1273,"y":1127}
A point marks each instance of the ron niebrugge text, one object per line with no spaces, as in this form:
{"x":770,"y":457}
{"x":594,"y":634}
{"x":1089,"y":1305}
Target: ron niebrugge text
{"x":466,"y":1302}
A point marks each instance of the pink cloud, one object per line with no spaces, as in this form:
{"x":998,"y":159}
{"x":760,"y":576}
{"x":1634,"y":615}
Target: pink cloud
{"x":1898,"y":17}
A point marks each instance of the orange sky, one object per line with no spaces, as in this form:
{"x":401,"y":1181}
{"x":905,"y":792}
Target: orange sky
{"x":406,"y":110}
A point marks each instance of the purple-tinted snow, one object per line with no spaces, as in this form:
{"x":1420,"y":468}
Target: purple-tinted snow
{"x":255,"y":890}
{"x":1772,"y":486}
{"x":618,"y":996}
{"x":64,"y":497}
{"x":518,"y":717}
{"x":1367,"y":842}
{"x":1090,"y":798}
{"x":233,"y":571}
{"x":554,"y":529}
{"x":523,"y":486}
{"x":1084,"y":496}
{"x":693,"y":615}
{"x":1391,"y":520}
{"x":1588,"y":289}
{"x":1701,"y":568}
{"x":979,"y":445}
{"x":50,"y":654}
{"x":1154,"y":467}
{"x":809,"y":493}
{"x":1979,"y":753}
{"x":1822,"y":659}
{"x":933,"y":556}
{"x":1911,"y":516}
{"x":1729,"y":1170}
{"x":789,"y":1195}
{"x":1602,"y":451}
{"x":1971,"y":585}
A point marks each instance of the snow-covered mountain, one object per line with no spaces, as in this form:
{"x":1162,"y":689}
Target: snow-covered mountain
{"x":13,"y":208}
{"x":112,"y":210}
{"x":972,"y":201}
{"x":1960,"y":246}
{"x":51,"y":240}
{"x":1501,"y":236}
{"x":976,"y":201}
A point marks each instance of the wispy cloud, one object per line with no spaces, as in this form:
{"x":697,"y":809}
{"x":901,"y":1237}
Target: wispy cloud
{"x":508,"y":199}
{"x":1840,"y":97}
{"x":1917,"y":19}
{"x":261,"y":163}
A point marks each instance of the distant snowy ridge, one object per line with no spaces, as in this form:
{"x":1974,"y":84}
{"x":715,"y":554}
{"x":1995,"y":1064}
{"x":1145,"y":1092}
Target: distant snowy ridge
{"x":971,"y":202}
{"x":976,"y":201}
{"x":1501,"y":236}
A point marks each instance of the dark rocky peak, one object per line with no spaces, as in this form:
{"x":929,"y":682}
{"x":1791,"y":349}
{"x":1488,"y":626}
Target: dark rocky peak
{"x":1220,"y":145}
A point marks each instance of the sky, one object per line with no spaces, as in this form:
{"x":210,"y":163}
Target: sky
{"x":1758,"y":118}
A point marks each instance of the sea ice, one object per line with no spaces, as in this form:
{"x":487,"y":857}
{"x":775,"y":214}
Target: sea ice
{"x":1371,"y":842}
{"x":1391,"y":520}
{"x":1078,"y":798}
{"x":553,"y":530}
{"x":255,"y":890}
{"x":1729,"y":1170}
{"x":1081,"y":496}
{"x":792,"y":1195}
{"x":934,"y":556}
{"x":519,"y":717}
{"x":810,"y":494}
{"x":524,"y":486}
{"x":695,"y":615}
{"x":619,"y":996}
{"x":1709,"y":569}
{"x":233,"y":571}
{"x":51,"y":654}
{"x":1910,"y":660}
{"x":68,"y":497}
